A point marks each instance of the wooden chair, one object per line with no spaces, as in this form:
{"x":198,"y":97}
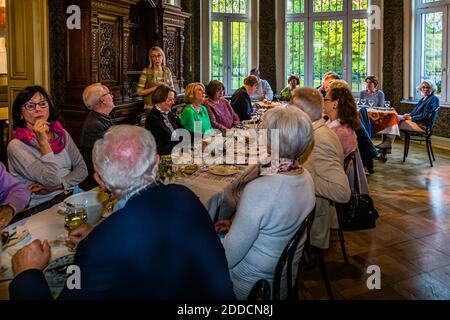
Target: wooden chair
{"x":286,"y":260}
{"x":260,"y":291}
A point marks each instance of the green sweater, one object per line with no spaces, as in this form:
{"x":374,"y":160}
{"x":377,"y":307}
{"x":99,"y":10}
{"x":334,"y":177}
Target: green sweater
{"x":189,"y":116}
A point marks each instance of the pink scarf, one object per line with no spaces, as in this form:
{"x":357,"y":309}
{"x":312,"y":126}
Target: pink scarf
{"x":287,"y":165}
{"x":28,"y":137}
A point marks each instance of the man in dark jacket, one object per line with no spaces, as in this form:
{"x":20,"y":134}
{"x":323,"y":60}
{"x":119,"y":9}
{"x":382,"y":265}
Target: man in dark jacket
{"x":160,"y":245}
{"x":99,"y":100}
{"x":240,"y":100}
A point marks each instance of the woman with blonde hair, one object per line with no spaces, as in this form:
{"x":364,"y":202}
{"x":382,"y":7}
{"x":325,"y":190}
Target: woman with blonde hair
{"x":194,"y":111}
{"x":155,"y":74}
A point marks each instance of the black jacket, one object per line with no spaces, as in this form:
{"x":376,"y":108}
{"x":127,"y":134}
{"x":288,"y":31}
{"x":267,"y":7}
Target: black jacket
{"x":154,"y":248}
{"x":242,"y":104}
{"x":94,"y":127}
{"x":162,"y":133}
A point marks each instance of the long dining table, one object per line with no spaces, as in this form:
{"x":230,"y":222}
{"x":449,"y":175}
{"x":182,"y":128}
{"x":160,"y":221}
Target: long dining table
{"x":219,"y":194}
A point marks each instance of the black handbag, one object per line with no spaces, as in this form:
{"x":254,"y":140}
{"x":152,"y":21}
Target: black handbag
{"x":359,"y":213}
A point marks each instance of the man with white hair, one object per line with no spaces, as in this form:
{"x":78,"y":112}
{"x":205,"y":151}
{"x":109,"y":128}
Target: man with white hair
{"x":99,"y":100}
{"x":160,"y":245}
{"x":326,"y":165}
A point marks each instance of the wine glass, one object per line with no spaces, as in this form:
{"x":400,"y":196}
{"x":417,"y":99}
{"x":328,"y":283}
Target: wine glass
{"x":76,"y":215}
{"x":387,"y":103}
{"x":371,"y":103}
{"x":363,"y":102}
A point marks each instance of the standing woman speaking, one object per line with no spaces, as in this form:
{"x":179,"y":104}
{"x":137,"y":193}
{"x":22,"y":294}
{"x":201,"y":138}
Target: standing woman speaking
{"x":155,"y":74}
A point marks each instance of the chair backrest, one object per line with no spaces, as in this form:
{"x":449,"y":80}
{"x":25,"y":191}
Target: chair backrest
{"x":287,"y":258}
{"x":260,"y":290}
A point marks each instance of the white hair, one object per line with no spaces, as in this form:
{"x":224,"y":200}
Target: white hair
{"x":92,"y":95}
{"x":125,"y":158}
{"x":308,"y":100}
{"x":429,"y":83}
{"x":295,"y":132}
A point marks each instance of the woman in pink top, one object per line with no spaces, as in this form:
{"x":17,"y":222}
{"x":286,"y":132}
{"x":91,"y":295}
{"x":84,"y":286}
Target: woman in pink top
{"x":220,"y":112}
{"x":340,"y":107}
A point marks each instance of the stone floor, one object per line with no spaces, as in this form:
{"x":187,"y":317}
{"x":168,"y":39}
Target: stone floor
{"x":411,"y":243}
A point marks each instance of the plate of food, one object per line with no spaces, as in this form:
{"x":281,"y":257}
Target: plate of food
{"x":189,"y":169}
{"x":224,"y":170}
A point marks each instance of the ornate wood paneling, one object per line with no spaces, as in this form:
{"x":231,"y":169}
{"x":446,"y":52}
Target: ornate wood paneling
{"x":97,"y":53}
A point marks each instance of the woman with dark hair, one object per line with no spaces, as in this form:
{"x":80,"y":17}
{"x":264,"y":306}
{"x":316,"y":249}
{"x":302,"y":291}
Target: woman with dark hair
{"x":221,"y":114}
{"x":286,"y":93}
{"x":42,"y":154}
{"x":161,"y":121}
{"x":372,"y":92}
{"x":340,"y":107}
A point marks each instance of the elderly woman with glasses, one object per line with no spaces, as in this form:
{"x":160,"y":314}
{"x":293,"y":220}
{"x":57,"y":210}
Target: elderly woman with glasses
{"x":220,"y":112}
{"x":421,"y":117}
{"x":195,"y":117}
{"x":272,"y":207}
{"x":42,"y":154}
{"x":155,"y":74}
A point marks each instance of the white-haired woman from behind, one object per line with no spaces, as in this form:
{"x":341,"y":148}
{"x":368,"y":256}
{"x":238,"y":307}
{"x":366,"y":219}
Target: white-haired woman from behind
{"x":272,"y":207}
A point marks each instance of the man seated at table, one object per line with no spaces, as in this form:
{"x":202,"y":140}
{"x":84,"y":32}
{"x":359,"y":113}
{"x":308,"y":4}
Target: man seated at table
{"x":152,"y":248}
{"x":14,"y":196}
{"x":263,"y":90}
{"x":325,"y":162}
{"x":99,"y":100}
{"x":326,"y":79}
{"x":240,"y":100}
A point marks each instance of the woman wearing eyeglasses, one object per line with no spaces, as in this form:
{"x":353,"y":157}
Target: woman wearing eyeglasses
{"x":155,"y":74}
{"x":42,"y":154}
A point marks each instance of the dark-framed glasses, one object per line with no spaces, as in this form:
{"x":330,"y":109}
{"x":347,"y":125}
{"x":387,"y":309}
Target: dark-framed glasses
{"x":31,"y":106}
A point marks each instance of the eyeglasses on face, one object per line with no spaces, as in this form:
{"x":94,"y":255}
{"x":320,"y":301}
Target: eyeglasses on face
{"x":31,"y":106}
{"x":105,"y":94}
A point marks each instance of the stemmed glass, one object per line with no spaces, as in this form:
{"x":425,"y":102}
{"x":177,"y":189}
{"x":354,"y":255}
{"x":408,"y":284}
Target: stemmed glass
{"x":387,"y":103}
{"x":363,"y":102}
{"x":357,"y":101}
{"x":371,"y":102}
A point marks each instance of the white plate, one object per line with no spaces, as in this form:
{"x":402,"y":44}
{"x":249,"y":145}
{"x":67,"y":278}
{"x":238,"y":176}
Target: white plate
{"x":224,"y":170}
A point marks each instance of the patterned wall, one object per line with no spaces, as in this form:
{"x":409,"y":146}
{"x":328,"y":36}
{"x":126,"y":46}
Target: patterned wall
{"x":57,"y":27}
{"x":191,"y":54}
{"x":267,"y":56}
{"x":393,"y":50}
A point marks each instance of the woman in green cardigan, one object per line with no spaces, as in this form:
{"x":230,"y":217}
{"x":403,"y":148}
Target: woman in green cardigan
{"x":195,"y":112}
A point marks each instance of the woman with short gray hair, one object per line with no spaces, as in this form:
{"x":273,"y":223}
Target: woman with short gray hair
{"x":272,"y":207}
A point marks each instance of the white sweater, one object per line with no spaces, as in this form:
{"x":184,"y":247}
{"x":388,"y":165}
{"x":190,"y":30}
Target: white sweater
{"x":269,"y":213}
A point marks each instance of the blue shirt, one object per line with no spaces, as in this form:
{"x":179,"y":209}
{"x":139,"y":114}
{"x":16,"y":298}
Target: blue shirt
{"x":377,"y":97}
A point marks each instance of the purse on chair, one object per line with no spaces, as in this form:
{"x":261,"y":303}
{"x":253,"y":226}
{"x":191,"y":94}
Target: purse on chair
{"x":359,"y":213}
